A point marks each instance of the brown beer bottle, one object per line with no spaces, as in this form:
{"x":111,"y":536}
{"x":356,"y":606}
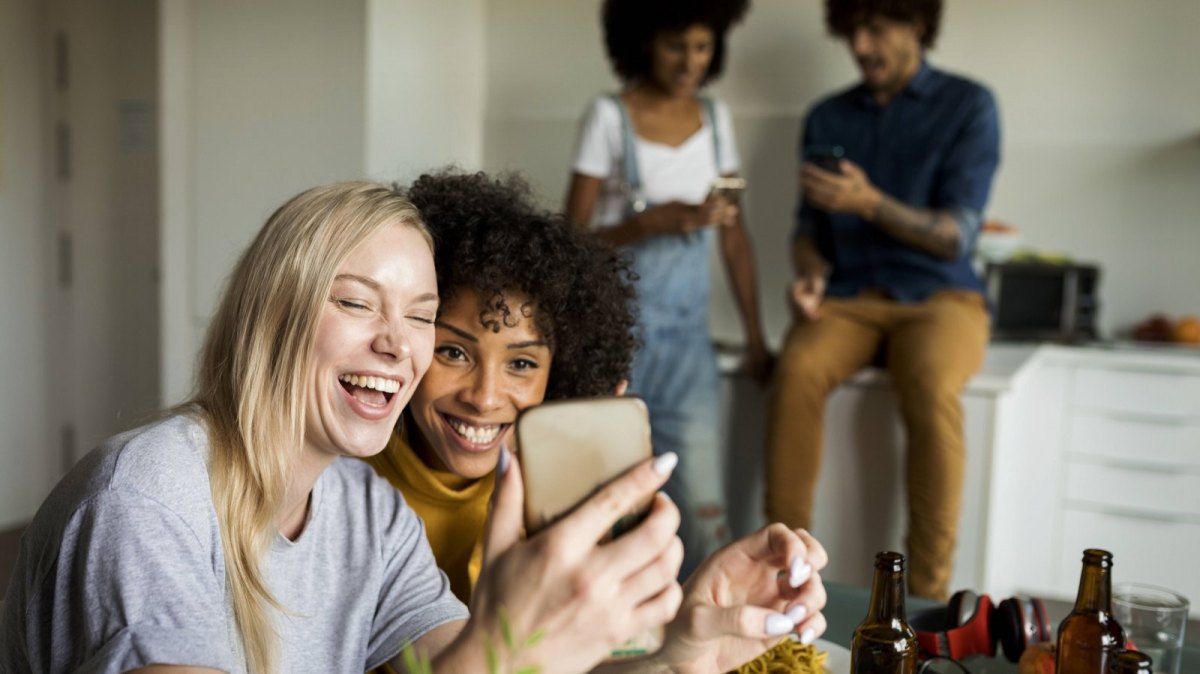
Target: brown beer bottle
{"x":1131,"y":662}
{"x":883,"y":642}
{"x":1090,"y":636}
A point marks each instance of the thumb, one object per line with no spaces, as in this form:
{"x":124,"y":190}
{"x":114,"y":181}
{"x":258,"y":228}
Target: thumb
{"x":747,"y":622}
{"x":507,"y":520}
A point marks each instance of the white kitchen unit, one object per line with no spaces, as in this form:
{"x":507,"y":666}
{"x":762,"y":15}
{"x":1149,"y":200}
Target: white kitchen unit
{"x":1068,"y":448}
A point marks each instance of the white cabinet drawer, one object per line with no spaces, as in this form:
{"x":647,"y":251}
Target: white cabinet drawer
{"x":1143,"y":489}
{"x":1174,"y":443}
{"x":1152,"y":393}
{"x":1144,"y":551}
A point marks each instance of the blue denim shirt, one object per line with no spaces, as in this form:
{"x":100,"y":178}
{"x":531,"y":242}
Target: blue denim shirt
{"x":935,"y":145}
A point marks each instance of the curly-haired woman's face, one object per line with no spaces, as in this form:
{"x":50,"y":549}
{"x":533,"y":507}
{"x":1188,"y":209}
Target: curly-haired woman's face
{"x":679,"y":60}
{"x":479,"y":381}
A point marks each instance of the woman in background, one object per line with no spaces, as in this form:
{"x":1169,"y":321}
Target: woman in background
{"x":533,"y":309}
{"x":644,"y":164}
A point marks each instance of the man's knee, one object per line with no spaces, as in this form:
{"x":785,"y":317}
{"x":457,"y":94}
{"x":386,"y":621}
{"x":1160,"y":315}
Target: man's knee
{"x":803,"y":368}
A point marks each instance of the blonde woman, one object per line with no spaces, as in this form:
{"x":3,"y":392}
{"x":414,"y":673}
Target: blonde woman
{"x":233,"y":535}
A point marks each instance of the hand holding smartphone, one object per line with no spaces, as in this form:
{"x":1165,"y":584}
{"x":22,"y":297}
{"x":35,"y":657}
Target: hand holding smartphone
{"x":826,"y":157}
{"x":729,"y":188}
{"x":571,"y":448}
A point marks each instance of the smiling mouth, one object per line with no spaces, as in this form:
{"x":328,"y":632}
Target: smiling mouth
{"x":373,"y":391}
{"x":473,"y":433}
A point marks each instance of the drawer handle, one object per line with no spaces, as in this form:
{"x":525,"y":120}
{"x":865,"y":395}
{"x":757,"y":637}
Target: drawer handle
{"x":1153,"y":468}
{"x":1104,"y":509}
{"x":1172,"y":420}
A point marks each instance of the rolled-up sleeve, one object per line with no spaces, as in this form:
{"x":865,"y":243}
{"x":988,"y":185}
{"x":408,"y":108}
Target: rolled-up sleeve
{"x":132,"y":585}
{"x":965,"y":176}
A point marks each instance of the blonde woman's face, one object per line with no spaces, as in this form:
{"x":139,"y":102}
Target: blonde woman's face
{"x":374,"y":343}
{"x":479,"y":381}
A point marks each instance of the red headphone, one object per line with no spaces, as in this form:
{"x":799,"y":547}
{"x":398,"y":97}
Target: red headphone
{"x":971,"y":625}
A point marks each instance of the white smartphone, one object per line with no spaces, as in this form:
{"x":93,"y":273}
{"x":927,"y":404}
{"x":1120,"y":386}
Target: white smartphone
{"x":571,"y":448}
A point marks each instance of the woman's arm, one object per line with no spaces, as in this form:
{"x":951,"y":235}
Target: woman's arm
{"x":738,"y":254}
{"x":670,"y":218}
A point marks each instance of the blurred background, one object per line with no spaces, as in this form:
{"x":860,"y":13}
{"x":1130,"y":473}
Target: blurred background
{"x":143,"y":142}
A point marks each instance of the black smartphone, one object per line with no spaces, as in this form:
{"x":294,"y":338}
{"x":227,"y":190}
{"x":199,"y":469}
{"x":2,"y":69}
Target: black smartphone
{"x":826,"y":157}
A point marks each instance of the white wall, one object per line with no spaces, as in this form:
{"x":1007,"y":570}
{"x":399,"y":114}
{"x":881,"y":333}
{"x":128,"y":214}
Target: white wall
{"x":1099,"y":105}
{"x":425,"y":86}
{"x":25,"y":265}
{"x":265,"y":99}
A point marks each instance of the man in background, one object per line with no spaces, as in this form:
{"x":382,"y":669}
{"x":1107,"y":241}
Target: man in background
{"x":894,"y":177}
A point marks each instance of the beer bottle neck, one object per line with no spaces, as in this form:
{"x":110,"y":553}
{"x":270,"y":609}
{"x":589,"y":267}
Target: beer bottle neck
{"x":887,"y":596}
{"x":1095,"y":590}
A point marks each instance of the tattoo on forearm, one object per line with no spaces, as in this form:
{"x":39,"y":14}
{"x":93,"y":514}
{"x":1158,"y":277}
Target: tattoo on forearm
{"x":930,"y":230}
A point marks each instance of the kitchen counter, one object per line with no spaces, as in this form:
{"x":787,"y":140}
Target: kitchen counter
{"x":1046,"y":427}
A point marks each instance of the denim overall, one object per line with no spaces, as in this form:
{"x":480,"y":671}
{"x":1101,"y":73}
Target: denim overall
{"x":675,"y":371}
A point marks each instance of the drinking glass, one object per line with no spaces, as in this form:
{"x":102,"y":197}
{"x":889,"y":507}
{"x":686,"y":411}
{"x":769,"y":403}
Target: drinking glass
{"x":1154,"y":618}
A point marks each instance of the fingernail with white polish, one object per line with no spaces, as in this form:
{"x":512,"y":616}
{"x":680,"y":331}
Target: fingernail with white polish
{"x":664,"y":464}
{"x":504,"y":460}
{"x":801,"y":570}
{"x":808,"y":636}
{"x":797,"y":613}
{"x":778,"y":624}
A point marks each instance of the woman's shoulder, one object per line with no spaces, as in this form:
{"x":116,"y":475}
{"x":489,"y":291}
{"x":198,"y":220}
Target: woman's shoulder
{"x":164,"y":461}
{"x":604,"y":107}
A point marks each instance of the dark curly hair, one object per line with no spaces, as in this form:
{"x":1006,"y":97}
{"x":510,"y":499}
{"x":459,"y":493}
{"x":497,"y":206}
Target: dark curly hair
{"x":631,"y":25}
{"x":842,"y":16}
{"x":491,"y":238}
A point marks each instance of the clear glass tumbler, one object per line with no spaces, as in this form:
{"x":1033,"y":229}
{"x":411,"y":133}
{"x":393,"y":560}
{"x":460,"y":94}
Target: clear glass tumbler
{"x":1155,"y":619}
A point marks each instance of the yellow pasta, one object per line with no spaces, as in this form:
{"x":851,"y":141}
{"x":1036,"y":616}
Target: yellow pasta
{"x":787,"y":657}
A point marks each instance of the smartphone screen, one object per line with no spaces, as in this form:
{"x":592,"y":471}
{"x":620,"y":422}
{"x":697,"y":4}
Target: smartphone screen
{"x":570,"y":448}
{"x":827,"y":157}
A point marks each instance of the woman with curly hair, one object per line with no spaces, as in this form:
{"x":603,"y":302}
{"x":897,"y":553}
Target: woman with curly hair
{"x":643,"y":167}
{"x":533,"y":309}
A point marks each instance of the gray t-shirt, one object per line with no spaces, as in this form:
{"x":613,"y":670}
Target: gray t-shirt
{"x":123,"y":567}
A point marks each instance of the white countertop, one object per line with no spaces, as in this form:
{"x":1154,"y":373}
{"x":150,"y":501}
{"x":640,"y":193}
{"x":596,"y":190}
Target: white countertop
{"x":1005,"y":361}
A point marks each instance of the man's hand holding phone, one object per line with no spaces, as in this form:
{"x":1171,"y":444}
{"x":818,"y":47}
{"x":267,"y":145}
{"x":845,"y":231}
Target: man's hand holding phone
{"x":834,"y":184}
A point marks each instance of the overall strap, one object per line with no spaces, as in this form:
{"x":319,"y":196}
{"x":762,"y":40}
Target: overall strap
{"x":632,"y":179}
{"x":710,"y":118}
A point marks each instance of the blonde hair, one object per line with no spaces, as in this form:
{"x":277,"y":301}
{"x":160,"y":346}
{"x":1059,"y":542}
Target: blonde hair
{"x":250,"y":382}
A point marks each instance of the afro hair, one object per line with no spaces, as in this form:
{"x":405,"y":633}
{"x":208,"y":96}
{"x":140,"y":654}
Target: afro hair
{"x":490,"y":238}
{"x":631,"y":25}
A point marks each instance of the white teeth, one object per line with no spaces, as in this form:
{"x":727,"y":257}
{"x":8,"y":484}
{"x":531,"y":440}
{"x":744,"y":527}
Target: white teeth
{"x":376,"y":383}
{"x":480,"y":435}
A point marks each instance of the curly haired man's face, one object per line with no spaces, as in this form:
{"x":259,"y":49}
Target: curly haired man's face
{"x":888,"y":53}
{"x":479,"y":381}
{"x":680,"y":59}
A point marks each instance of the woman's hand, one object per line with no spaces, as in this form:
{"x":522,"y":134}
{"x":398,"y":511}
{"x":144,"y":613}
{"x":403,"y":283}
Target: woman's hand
{"x":560,"y":600}
{"x":745,"y":598}
{"x":677,"y":218}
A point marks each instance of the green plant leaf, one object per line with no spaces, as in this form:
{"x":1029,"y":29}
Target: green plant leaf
{"x":422,"y":666}
{"x":492,"y":657}
{"x":506,"y":631}
{"x":534,"y":639}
